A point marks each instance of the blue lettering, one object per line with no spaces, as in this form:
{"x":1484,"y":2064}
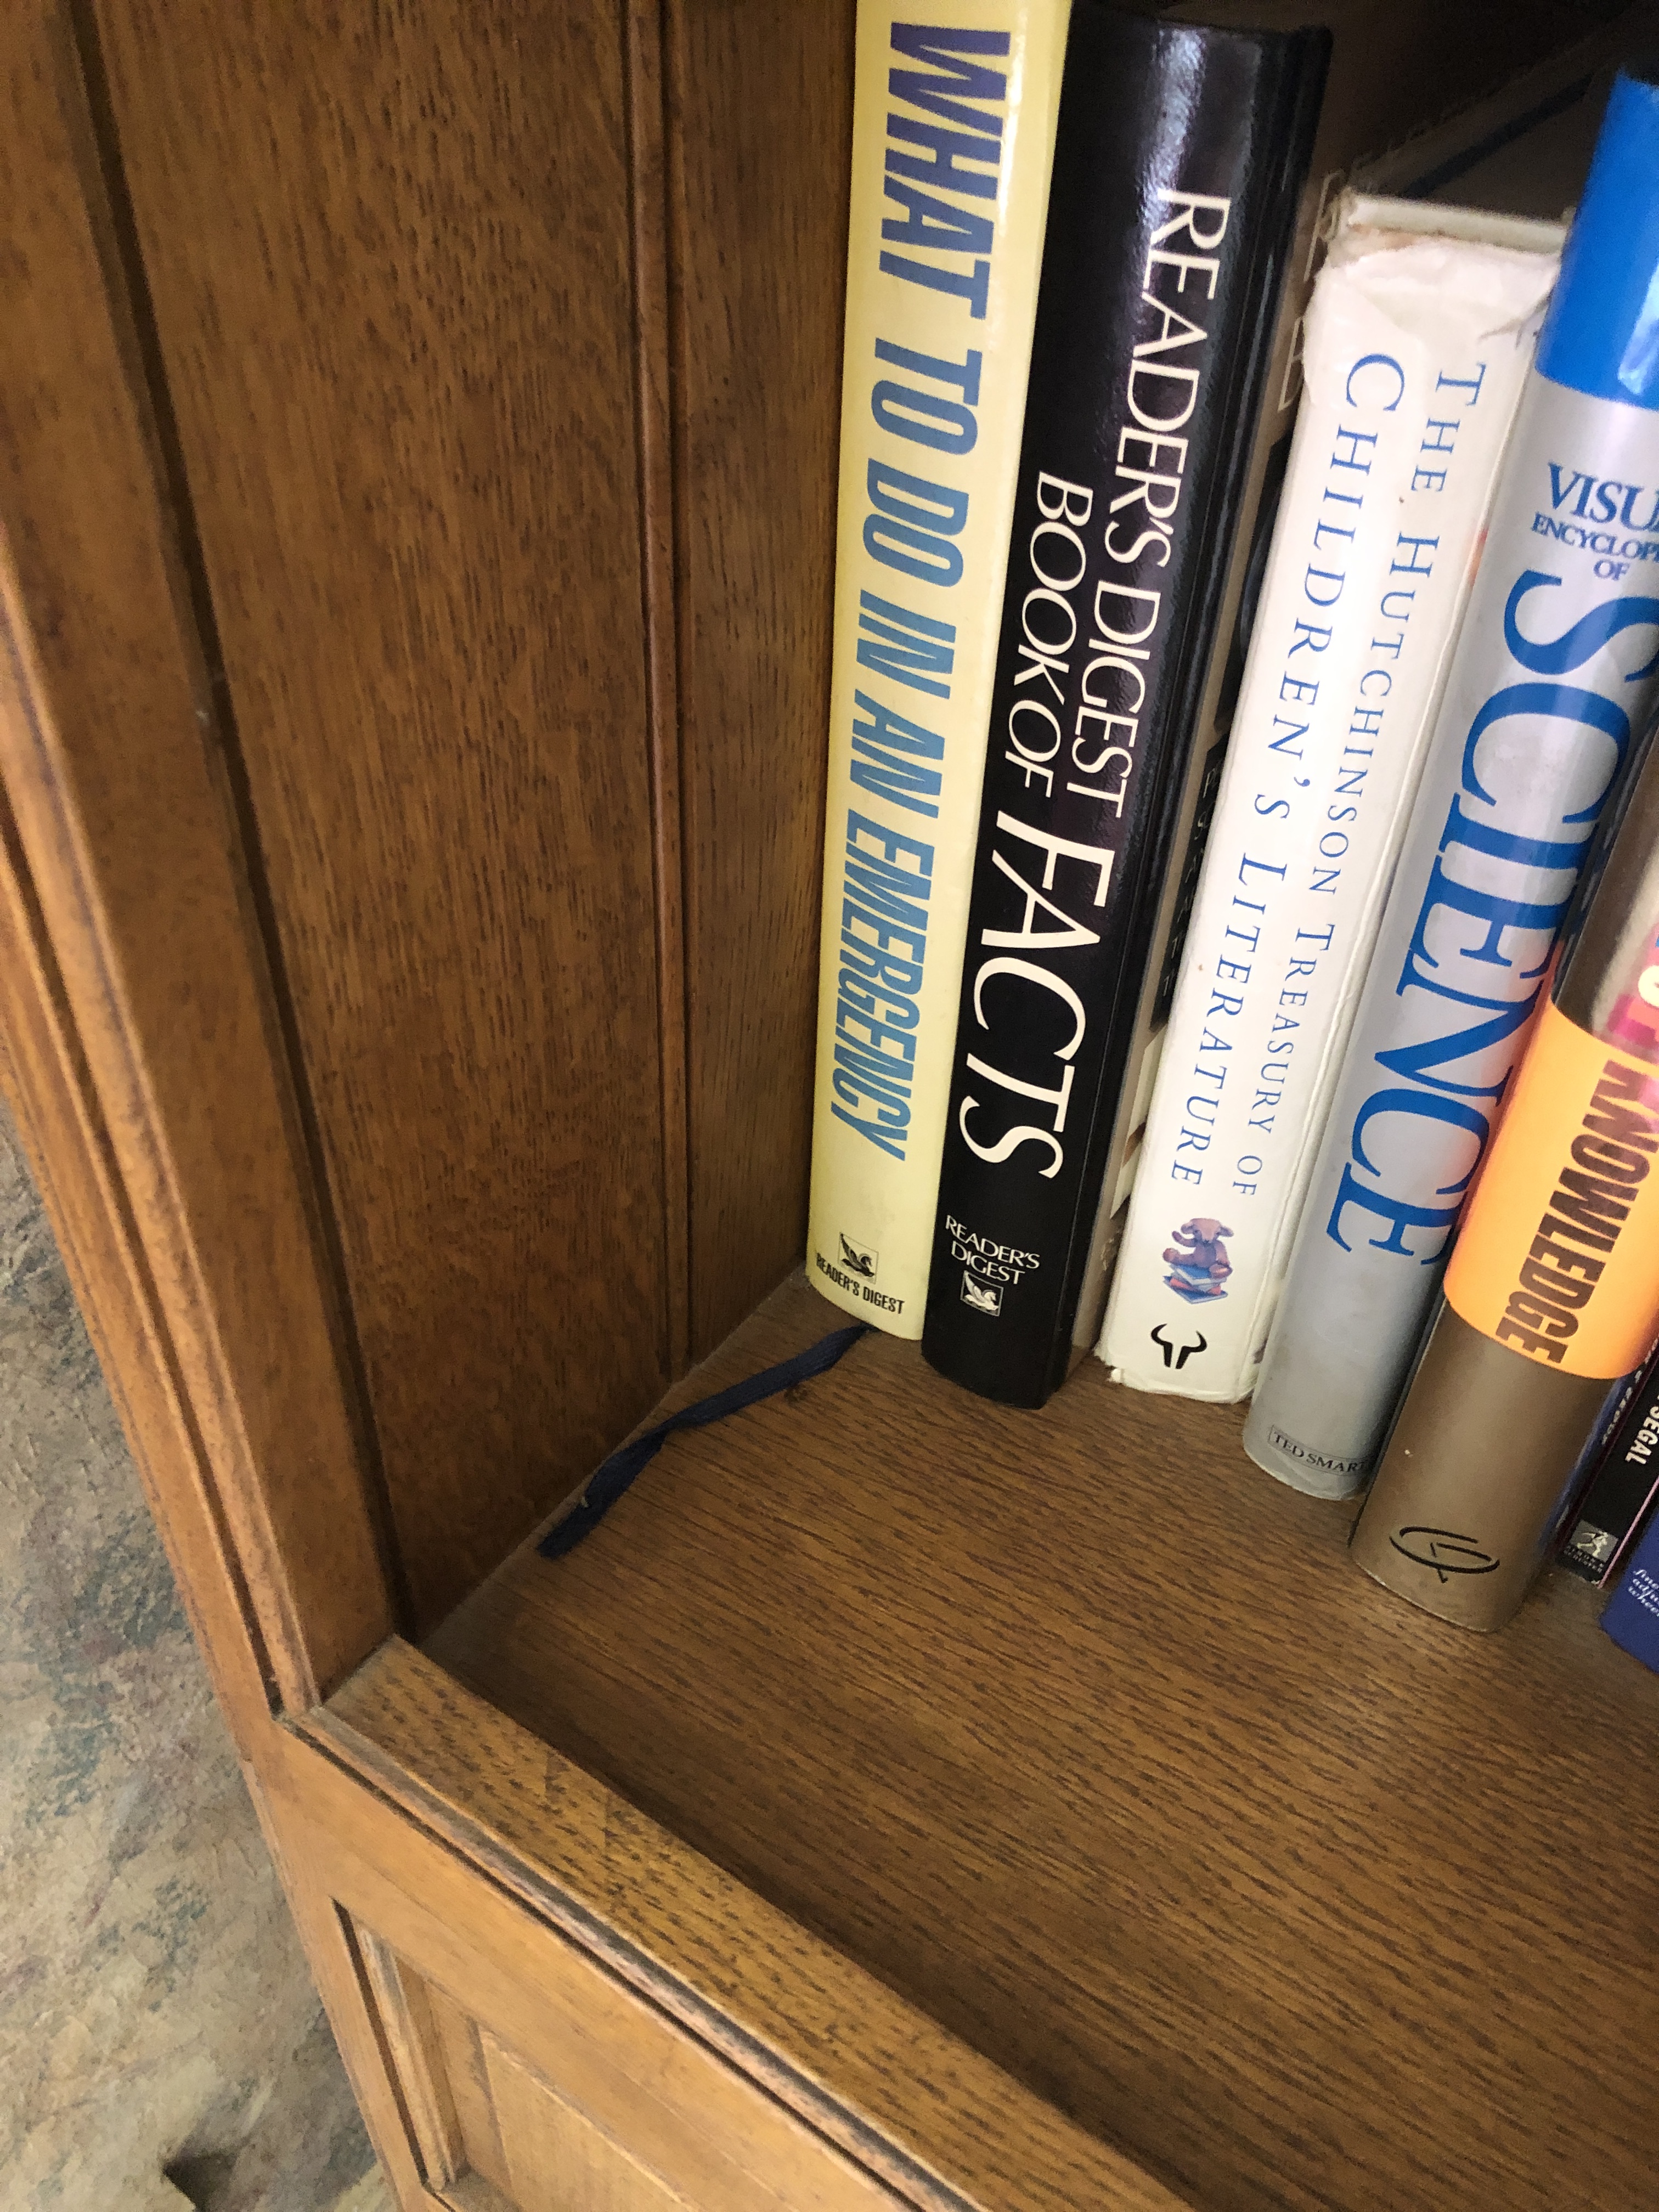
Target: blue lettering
{"x":901,"y":645}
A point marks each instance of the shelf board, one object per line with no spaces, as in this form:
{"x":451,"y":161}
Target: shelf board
{"x":1088,"y":1738}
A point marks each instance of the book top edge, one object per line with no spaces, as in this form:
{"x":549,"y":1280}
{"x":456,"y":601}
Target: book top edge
{"x":1602,"y":336}
{"x":1373,"y":211}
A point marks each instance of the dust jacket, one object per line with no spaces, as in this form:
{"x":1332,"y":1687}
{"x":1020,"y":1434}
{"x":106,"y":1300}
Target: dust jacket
{"x":1419,"y":342}
{"x":953,"y":126}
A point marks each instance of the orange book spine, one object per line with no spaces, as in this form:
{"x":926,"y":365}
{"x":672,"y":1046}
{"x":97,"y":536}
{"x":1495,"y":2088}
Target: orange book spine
{"x":1560,"y":1258}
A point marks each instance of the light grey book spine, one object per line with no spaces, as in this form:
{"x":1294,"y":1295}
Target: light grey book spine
{"x":1554,"y":671}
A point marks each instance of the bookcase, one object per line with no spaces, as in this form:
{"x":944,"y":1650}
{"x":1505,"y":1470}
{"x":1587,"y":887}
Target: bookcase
{"x":417,"y":496}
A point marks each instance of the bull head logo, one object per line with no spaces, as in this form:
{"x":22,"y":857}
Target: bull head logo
{"x":1177,"y":1355}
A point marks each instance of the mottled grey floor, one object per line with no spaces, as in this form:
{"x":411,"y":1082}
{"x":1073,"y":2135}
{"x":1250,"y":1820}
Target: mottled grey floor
{"x":155,"y":2015}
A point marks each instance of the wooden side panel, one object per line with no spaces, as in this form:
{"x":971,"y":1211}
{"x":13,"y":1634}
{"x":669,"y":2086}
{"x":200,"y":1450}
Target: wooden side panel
{"x":684,"y":2112}
{"x":942,"y":2127}
{"x":557,"y":2157}
{"x":410,"y":2033}
{"x":389,"y":257}
{"x":759,"y":124}
{"x":337,"y":1966}
{"x":461,"y":2054}
{"x":142,"y":1019}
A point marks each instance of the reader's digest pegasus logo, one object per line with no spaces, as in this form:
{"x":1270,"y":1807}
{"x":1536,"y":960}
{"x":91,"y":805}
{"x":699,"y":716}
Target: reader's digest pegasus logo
{"x":858,"y":1258}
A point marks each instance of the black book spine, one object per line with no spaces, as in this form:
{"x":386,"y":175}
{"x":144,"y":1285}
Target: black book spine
{"x":1179,"y":160}
{"x":1615,"y":1501}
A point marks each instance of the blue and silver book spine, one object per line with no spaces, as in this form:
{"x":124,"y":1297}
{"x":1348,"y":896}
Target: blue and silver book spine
{"x":1556,"y":668}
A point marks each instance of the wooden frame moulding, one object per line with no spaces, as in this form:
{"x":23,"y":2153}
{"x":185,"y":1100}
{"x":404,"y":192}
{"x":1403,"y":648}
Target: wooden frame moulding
{"x":133,"y":1002}
{"x":150,"y":1060}
{"x":92,"y":1052}
{"x":647,"y":190}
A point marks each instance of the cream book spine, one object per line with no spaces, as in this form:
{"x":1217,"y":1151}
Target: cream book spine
{"x":953,"y":133}
{"x":1419,"y":342}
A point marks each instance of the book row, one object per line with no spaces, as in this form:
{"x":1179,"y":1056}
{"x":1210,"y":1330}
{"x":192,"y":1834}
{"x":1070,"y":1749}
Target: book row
{"x":1242,"y":869}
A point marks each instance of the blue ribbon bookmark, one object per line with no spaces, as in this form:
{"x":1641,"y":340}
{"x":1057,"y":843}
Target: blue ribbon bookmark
{"x":612,"y":1476}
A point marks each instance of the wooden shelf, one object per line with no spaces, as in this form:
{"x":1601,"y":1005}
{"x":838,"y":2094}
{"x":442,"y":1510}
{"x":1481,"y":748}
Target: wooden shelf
{"x":1087,"y":1739}
{"x":417,"y":546}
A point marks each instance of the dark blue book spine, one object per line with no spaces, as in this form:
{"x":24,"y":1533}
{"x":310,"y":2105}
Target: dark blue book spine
{"x":1631,"y":1617}
{"x":1179,"y":160}
{"x":1623,"y":1482}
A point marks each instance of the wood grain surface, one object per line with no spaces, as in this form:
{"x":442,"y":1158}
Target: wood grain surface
{"x":648,"y":159}
{"x":1088,"y":1738}
{"x":414,"y":2048}
{"x":301,"y":1853}
{"x":548,"y":1994}
{"x":415,"y":482}
{"x":389,"y":257}
{"x":641,"y":2156}
{"x":760,"y":128}
{"x":160,"y":1117}
{"x":556,"y":2156}
{"x":460,"y":2055}
{"x":940,"y":2126}
{"x":472,"y":2193}
{"x":42,"y":1074}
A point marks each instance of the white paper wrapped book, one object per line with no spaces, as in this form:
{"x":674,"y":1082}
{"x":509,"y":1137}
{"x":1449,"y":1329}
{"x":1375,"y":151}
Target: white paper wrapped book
{"x":1418,"y":341}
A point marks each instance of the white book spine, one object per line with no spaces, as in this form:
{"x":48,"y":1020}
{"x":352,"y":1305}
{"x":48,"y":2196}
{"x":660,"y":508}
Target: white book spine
{"x":1418,"y":348}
